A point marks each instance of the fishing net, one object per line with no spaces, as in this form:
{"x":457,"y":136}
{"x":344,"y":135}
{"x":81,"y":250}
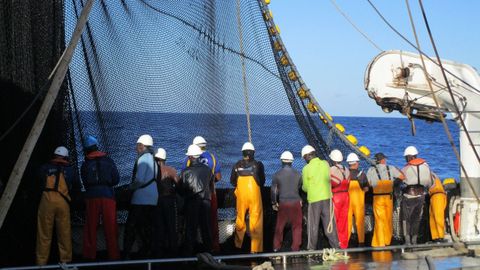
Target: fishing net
{"x":178,"y":69}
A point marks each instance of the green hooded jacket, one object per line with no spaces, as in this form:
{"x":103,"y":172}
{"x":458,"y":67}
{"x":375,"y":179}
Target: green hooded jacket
{"x":316,"y":180}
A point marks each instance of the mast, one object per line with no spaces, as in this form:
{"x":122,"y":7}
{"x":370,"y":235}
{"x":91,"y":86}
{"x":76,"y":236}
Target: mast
{"x":24,"y":157}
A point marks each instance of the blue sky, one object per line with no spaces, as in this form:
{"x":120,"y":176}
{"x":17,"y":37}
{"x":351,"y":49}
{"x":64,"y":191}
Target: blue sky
{"x":331,"y":55}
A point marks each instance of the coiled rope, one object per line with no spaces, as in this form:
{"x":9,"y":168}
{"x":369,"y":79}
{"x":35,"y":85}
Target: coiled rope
{"x":331,"y":254}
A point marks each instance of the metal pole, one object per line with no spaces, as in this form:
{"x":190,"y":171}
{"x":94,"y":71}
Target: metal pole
{"x":283,"y":255}
{"x":24,"y":157}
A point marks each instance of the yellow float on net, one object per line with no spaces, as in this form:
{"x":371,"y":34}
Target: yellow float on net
{"x":311,"y":107}
{"x":292,"y":75}
{"x":284,"y":60}
{"x":323,"y":119}
{"x":277,"y":46}
{"x":352,"y":139}
{"x":302,"y":93}
{"x":340,"y":127}
{"x":267,"y":2}
{"x":364,"y":150}
{"x":266,"y":16}
{"x":274,"y":30}
{"x":329,"y":117}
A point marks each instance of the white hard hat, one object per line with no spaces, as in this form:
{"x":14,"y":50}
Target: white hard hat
{"x":410,"y":151}
{"x":336,"y":155}
{"x":286,"y":156}
{"x":194,"y":151}
{"x":146,"y":140}
{"x":248,"y":146}
{"x":307,"y":149}
{"x":161,"y":154}
{"x":352,"y":158}
{"x":200,"y":141}
{"x":61,"y":151}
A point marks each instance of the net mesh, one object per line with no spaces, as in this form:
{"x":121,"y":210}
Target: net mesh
{"x":175,"y":70}
{"x":176,"y":67}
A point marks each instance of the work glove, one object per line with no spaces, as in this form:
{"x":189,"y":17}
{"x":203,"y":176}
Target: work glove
{"x":275,"y":206}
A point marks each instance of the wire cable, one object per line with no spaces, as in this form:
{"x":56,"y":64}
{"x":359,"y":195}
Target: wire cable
{"x":457,"y":110}
{"x":334,"y":3}
{"x":244,"y":75}
{"x":413,"y":45}
{"x":40,"y":93}
{"x":437,"y":103}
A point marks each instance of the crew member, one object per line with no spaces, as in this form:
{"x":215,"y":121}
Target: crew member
{"x":99,"y":175}
{"x":144,"y":198}
{"x":453,"y":191}
{"x":165,"y":235}
{"x":381,"y":177}
{"x":438,"y":203}
{"x":356,"y":190}
{"x":339,"y":176}
{"x":211,"y":160}
{"x":196,"y":182}
{"x":316,"y":183}
{"x":418,"y":177}
{"x":286,"y":200}
{"x":248,"y":177}
{"x":57,"y":177}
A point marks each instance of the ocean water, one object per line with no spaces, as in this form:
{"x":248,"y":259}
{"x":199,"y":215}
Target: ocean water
{"x":271,"y":135}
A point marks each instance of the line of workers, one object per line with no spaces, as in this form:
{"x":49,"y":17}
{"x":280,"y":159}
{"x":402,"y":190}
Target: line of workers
{"x":335,"y":195}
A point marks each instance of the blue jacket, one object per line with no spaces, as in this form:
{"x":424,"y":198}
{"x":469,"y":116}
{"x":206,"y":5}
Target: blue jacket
{"x":146,"y":170}
{"x":99,"y":175}
{"x":208,"y":159}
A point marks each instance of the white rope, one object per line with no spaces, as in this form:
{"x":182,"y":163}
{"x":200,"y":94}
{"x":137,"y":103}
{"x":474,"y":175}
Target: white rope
{"x":244,"y":76}
{"x":330,"y":254}
{"x":330,"y":222}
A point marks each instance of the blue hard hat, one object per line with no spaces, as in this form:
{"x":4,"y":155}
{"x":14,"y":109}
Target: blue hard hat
{"x":89,"y":141}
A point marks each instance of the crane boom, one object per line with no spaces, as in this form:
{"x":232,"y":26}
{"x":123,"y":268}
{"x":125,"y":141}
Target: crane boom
{"x":396,"y":81}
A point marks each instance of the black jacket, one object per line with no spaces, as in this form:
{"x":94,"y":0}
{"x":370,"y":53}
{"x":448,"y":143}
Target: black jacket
{"x":248,"y":168}
{"x":286,"y":185}
{"x":197,"y":180}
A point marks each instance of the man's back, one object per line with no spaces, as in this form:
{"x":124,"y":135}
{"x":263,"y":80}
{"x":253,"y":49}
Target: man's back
{"x":286,"y":184}
{"x":316,"y":180}
{"x":99,"y":175}
{"x":196,"y":180}
{"x":417,"y":172}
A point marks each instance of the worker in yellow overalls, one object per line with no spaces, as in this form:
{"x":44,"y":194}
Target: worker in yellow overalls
{"x":381,"y":177}
{"x":438,"y":202}
{"x":357,"y":187}
{"x":54,"y":209}
{"x":248,"y":177}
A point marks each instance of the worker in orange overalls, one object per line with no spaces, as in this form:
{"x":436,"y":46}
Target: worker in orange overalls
{"x":339,"y":177}
{"x":54,"y":209}
{"x":438,"y":202}
{"x":381,"y":177}
{"x":356,"y":191}
{"x":248,"y":177}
